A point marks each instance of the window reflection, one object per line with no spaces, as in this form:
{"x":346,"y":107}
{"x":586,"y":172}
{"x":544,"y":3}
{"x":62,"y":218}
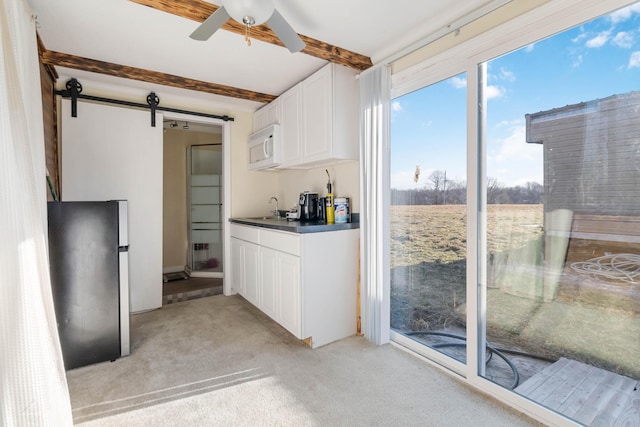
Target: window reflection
{"x":563,"y":220}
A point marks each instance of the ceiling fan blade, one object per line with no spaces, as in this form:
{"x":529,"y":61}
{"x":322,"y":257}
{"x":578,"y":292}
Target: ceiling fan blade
{"x":285,"y":33}
{"x":211,"y":24}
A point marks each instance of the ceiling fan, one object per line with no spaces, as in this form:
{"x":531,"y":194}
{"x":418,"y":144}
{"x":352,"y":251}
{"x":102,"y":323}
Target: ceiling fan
{"x":250,"y":13}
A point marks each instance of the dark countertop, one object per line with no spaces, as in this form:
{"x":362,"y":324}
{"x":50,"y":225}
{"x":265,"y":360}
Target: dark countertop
{"x":284,"y":224}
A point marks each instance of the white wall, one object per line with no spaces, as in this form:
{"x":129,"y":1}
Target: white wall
{"x":250,"y":190}
{"x":345,"y":178}
{"x":112,"y":153}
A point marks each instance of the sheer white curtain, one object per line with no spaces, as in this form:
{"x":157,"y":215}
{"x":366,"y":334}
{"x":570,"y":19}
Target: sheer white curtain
{"x":33,"y":388}
{"x":374,"y":204}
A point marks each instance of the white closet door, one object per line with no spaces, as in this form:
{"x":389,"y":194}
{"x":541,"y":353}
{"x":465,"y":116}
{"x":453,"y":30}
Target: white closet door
{"x":110,"y":153}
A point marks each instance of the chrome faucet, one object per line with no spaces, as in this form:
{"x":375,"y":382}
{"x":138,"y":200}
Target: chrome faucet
{"x":276,"y":212}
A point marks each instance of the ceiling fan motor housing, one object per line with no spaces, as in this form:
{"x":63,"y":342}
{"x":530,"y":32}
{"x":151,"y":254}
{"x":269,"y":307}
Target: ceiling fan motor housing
{"x":250,"y":12}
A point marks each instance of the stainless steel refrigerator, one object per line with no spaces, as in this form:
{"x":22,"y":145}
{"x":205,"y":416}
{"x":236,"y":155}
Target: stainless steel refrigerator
{"x":89,"y":267}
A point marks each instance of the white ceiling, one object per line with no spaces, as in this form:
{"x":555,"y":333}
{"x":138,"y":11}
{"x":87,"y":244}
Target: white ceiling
{"x":126,"y":33}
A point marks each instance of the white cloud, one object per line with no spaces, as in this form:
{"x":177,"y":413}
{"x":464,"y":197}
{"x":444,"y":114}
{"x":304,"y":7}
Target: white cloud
{"x":458,"y":82}
{"x":634,"y":60}
{"x":624,"y":13}
{"x":512,"y":146}
{"x":510,"y":123}
{"x":623,"y":40}
{"x":530,"y":47}
{"x":577,"y":62}
{"x":515,"y":148}
{"x":507,"y":75}
{"x":579,"y":37}
{"x":599,"y":40}
{"x":396,"y":106}
{"x":494,"y":92}
{"x":514,"y":161}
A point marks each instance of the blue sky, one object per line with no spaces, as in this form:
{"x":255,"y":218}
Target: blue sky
{"x":594,"y":60}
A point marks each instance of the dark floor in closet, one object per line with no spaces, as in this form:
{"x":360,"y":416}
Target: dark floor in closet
{"x":191,"y":288}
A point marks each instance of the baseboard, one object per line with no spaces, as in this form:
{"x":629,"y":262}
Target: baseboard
{"x":173,"y":269}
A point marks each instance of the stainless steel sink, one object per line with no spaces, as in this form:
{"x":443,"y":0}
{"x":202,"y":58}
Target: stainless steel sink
{"x":269,"y":217}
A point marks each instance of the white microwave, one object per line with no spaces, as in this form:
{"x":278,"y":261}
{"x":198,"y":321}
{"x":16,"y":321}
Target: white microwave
{"x":264,"y":148}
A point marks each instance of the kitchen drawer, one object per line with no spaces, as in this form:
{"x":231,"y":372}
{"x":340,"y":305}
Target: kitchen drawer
{"x":280,"y":241}
{"x":243,"y":232}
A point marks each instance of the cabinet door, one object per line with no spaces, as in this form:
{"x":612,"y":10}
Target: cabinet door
{"x":291,"y":126}
{"x":252,"y":273}
{"x":237,"y":266}
{"x":317,"y":101}
{"x":269,"y":273}
{"x":272,"y":112}
{"x":259,"y":119}
{"x":289,"y":293}
{"x":267,"y":115}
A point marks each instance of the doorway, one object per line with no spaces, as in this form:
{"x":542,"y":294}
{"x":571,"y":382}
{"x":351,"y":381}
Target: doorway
{"x":193,"y":199}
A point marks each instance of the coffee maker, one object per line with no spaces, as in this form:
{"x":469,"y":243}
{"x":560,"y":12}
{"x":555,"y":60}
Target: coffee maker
{"x":308,"y":206}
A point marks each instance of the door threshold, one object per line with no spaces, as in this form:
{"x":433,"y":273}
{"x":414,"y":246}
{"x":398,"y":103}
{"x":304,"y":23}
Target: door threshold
{"x":206,"y":274}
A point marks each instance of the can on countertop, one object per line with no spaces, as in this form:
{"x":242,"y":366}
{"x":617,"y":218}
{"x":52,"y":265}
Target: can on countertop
{"x":341,"y":209}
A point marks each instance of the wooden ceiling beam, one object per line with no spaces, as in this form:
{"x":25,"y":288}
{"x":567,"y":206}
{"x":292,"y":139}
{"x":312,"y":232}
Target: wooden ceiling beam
{"x":52,"y":58}
{"x":199,"y":10}
{"x":50,"y":68}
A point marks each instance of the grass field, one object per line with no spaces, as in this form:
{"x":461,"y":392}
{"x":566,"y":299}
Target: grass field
{"x":428,"y":287}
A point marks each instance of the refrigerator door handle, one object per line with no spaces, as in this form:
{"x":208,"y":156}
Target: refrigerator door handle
{"x":125,"y":311}
{"x":123,"y":225}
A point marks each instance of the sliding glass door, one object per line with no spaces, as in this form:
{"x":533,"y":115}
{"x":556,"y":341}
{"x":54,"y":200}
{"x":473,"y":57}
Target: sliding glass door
{"x":428,"y":217}
{"x":545,"y":145}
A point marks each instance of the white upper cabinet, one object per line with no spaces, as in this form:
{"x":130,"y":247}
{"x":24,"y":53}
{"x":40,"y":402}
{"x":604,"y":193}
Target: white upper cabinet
{"x":318,"y":118}
{"x":318,"y":115}
{"x":330,"y":116}
{"x":267,"y":115}
{"x":291,"y":127}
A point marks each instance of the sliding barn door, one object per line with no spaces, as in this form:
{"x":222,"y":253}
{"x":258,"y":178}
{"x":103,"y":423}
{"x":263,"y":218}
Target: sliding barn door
{"x":113,"y":153}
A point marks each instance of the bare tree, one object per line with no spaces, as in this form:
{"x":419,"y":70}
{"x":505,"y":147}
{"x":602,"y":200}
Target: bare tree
{"x":456,"y":192}
{"x":494,"y":188}
{"x":438,"y":182}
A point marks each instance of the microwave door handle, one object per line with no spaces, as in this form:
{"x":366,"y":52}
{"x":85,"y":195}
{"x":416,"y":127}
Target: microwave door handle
{"x":265,"y":147}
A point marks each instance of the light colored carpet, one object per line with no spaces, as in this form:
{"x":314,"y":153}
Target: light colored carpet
{"x":219,"y":361}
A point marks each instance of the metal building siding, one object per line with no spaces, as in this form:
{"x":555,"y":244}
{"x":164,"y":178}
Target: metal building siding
{"x":591,"y":155}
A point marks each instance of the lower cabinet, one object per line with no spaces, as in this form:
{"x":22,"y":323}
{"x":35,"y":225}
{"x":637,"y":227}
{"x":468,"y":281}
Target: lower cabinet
{"x":246,"y":272}
{"x":289,"y":300}
{"x":252,"y":273}
{"x":238,"y":267}
{"x":280,"y":298}
{"x":305,"y":282}
{"x":269,"y":273}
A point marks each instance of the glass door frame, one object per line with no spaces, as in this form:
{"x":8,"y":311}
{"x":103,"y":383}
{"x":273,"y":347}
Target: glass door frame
{"x":226,"y":187}
{"x":544,"y":21}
